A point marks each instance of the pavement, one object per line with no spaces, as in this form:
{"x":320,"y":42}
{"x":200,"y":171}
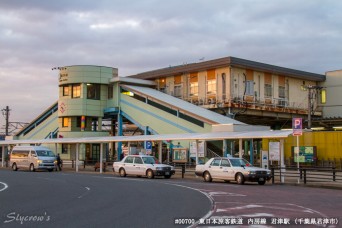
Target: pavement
{"x":190,"y":175}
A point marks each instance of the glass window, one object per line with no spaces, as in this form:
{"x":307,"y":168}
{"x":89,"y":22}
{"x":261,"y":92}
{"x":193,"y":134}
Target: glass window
{"x":281,"y":91}
{"x":66,"y":91}
{"x":76,"y":91}
{"x":239,"y":162}
{"x":45,"y":153}
{"x":64,"y":148}
{"x":225,"y":163}
{"x":150,"y":160}
{"x":268,"y":90}
{"x":129,"y":159}
{"x":138,"y":160}
{"x":65,"y":122}
{"x":250,"y":88}
{"x":216,"y":162}
{"x":194,"y":89}
{"x":211,"y":86}
{"x":110,"y":91}
{"x":93,"y":91}
{"x":177,"y":92}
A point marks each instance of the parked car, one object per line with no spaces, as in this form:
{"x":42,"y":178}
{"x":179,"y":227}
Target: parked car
{"x":32,"y":158}
{"x":232,"y":169}
{"x":142,"y":165}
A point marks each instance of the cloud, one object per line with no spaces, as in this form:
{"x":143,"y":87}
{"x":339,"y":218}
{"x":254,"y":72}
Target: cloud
{"x":137,"y":36}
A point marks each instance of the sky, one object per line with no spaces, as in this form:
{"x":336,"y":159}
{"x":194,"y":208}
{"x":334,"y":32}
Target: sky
{"x":141,"y":35}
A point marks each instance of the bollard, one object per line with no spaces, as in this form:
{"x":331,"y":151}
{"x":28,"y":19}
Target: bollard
{"x":272,"y":171}
{"x":183,"y":170}
{"x":334,"y":174}
{"x":304,"y":176}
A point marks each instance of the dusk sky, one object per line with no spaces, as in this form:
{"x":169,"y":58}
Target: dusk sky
{"x":137,"y":36}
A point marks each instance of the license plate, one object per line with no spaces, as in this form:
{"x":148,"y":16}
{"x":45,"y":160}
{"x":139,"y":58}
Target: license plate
{"x":261,"y":179}
{"x":167,"y":173}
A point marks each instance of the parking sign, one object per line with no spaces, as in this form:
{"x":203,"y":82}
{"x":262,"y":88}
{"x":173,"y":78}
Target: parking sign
{"x":297,"y":124}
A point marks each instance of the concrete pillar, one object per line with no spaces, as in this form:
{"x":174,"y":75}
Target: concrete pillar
{"x":251,"y":152}
{"x":160,"y":151}
{"x":99,"y":121}
{"x":282,"y":162}
{"x":225,"y":147}
{"x":120,"y":131}
{"x":240,"y":148}
{"x":197,"y":149}
{"x":77,"y":148}
{"x":101,"y":157}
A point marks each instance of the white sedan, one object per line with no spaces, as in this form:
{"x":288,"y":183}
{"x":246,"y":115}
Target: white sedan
{"x":142,"y":165}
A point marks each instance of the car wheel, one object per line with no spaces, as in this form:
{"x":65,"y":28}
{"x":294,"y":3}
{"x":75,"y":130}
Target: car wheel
{"x":122,"y":172}
{"x":207,"y":177}
{"x":261,"y":182}
{"x":240,"y":179}
{"x":167,"y":176}
{"x":50,"y":170}
{"x":32,"y":168}
{"x":149,"y":174}
{"x":14,"y":167}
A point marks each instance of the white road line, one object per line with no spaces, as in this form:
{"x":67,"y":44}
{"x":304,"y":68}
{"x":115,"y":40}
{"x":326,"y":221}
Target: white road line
{"x":81,"y":196}
{"x":5,"y":186}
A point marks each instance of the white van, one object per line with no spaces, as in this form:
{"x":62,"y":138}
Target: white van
{"x":32,"y":158}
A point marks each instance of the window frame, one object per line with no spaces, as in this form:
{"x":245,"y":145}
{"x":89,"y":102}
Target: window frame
{"x":76,"y":91}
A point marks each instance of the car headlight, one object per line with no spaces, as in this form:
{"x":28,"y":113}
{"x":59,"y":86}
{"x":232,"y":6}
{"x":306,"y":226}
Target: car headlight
{"x":159,"y":168}
{"x":251,"y":172}
{"x":39,"y":161}
{"x":269,"y":172}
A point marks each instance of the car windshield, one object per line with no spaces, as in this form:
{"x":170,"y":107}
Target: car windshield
{"x":150,"y":160}
{"x":45,"y":153}
{"x":238,"y":162}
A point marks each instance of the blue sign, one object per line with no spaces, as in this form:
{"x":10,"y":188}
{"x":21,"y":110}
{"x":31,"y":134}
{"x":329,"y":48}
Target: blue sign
{"x":297,"y":126}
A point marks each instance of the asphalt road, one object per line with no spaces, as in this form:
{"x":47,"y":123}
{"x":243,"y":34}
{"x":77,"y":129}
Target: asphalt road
{"x":59,"y":199}
{"x":68,"y":199}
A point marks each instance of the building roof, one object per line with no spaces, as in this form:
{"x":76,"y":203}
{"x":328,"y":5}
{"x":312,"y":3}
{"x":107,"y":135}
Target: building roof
{"x":162,"y":137}
{"x":226,"y":62}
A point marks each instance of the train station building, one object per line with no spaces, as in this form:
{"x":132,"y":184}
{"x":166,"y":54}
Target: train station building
{"x":222,"y":95}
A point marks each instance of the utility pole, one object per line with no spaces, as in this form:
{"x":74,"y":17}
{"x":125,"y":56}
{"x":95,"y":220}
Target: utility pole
{"x":311,"y":89}
{"x":5,"y":113}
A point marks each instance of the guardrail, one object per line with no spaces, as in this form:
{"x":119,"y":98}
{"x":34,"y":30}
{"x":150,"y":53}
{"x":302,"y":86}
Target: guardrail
{"x":307,"y":174}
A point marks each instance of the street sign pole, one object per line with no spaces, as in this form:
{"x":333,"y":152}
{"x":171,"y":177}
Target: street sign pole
{"x":297,"y":125}
{"x":298,"y":159}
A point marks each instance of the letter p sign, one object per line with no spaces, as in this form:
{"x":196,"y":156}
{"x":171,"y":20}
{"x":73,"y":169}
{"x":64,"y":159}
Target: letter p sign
{"x":297,"y":126}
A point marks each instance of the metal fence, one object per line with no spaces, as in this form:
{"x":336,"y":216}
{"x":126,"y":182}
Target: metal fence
{"x":307,"y":174}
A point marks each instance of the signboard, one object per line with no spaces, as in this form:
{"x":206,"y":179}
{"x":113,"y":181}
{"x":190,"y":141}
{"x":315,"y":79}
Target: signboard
{"x":297,"y":126}
{"x":307,"y":154}
{"x":180,"y":155}
{"x":264,"y":159}
{"x":148,"y":147}
{"x":274,"y":149}
{"x":193,"y":149}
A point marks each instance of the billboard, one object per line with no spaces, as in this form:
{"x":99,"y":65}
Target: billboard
{"x":307,"y":154}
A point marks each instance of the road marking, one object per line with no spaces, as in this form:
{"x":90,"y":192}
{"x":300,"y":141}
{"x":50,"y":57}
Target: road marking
{"x":5,"y":186}
{"x":84,"y":194}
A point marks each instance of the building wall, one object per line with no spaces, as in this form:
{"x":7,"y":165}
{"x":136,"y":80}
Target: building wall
{"x":333,"y":87}
{"x":296,"y":96}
